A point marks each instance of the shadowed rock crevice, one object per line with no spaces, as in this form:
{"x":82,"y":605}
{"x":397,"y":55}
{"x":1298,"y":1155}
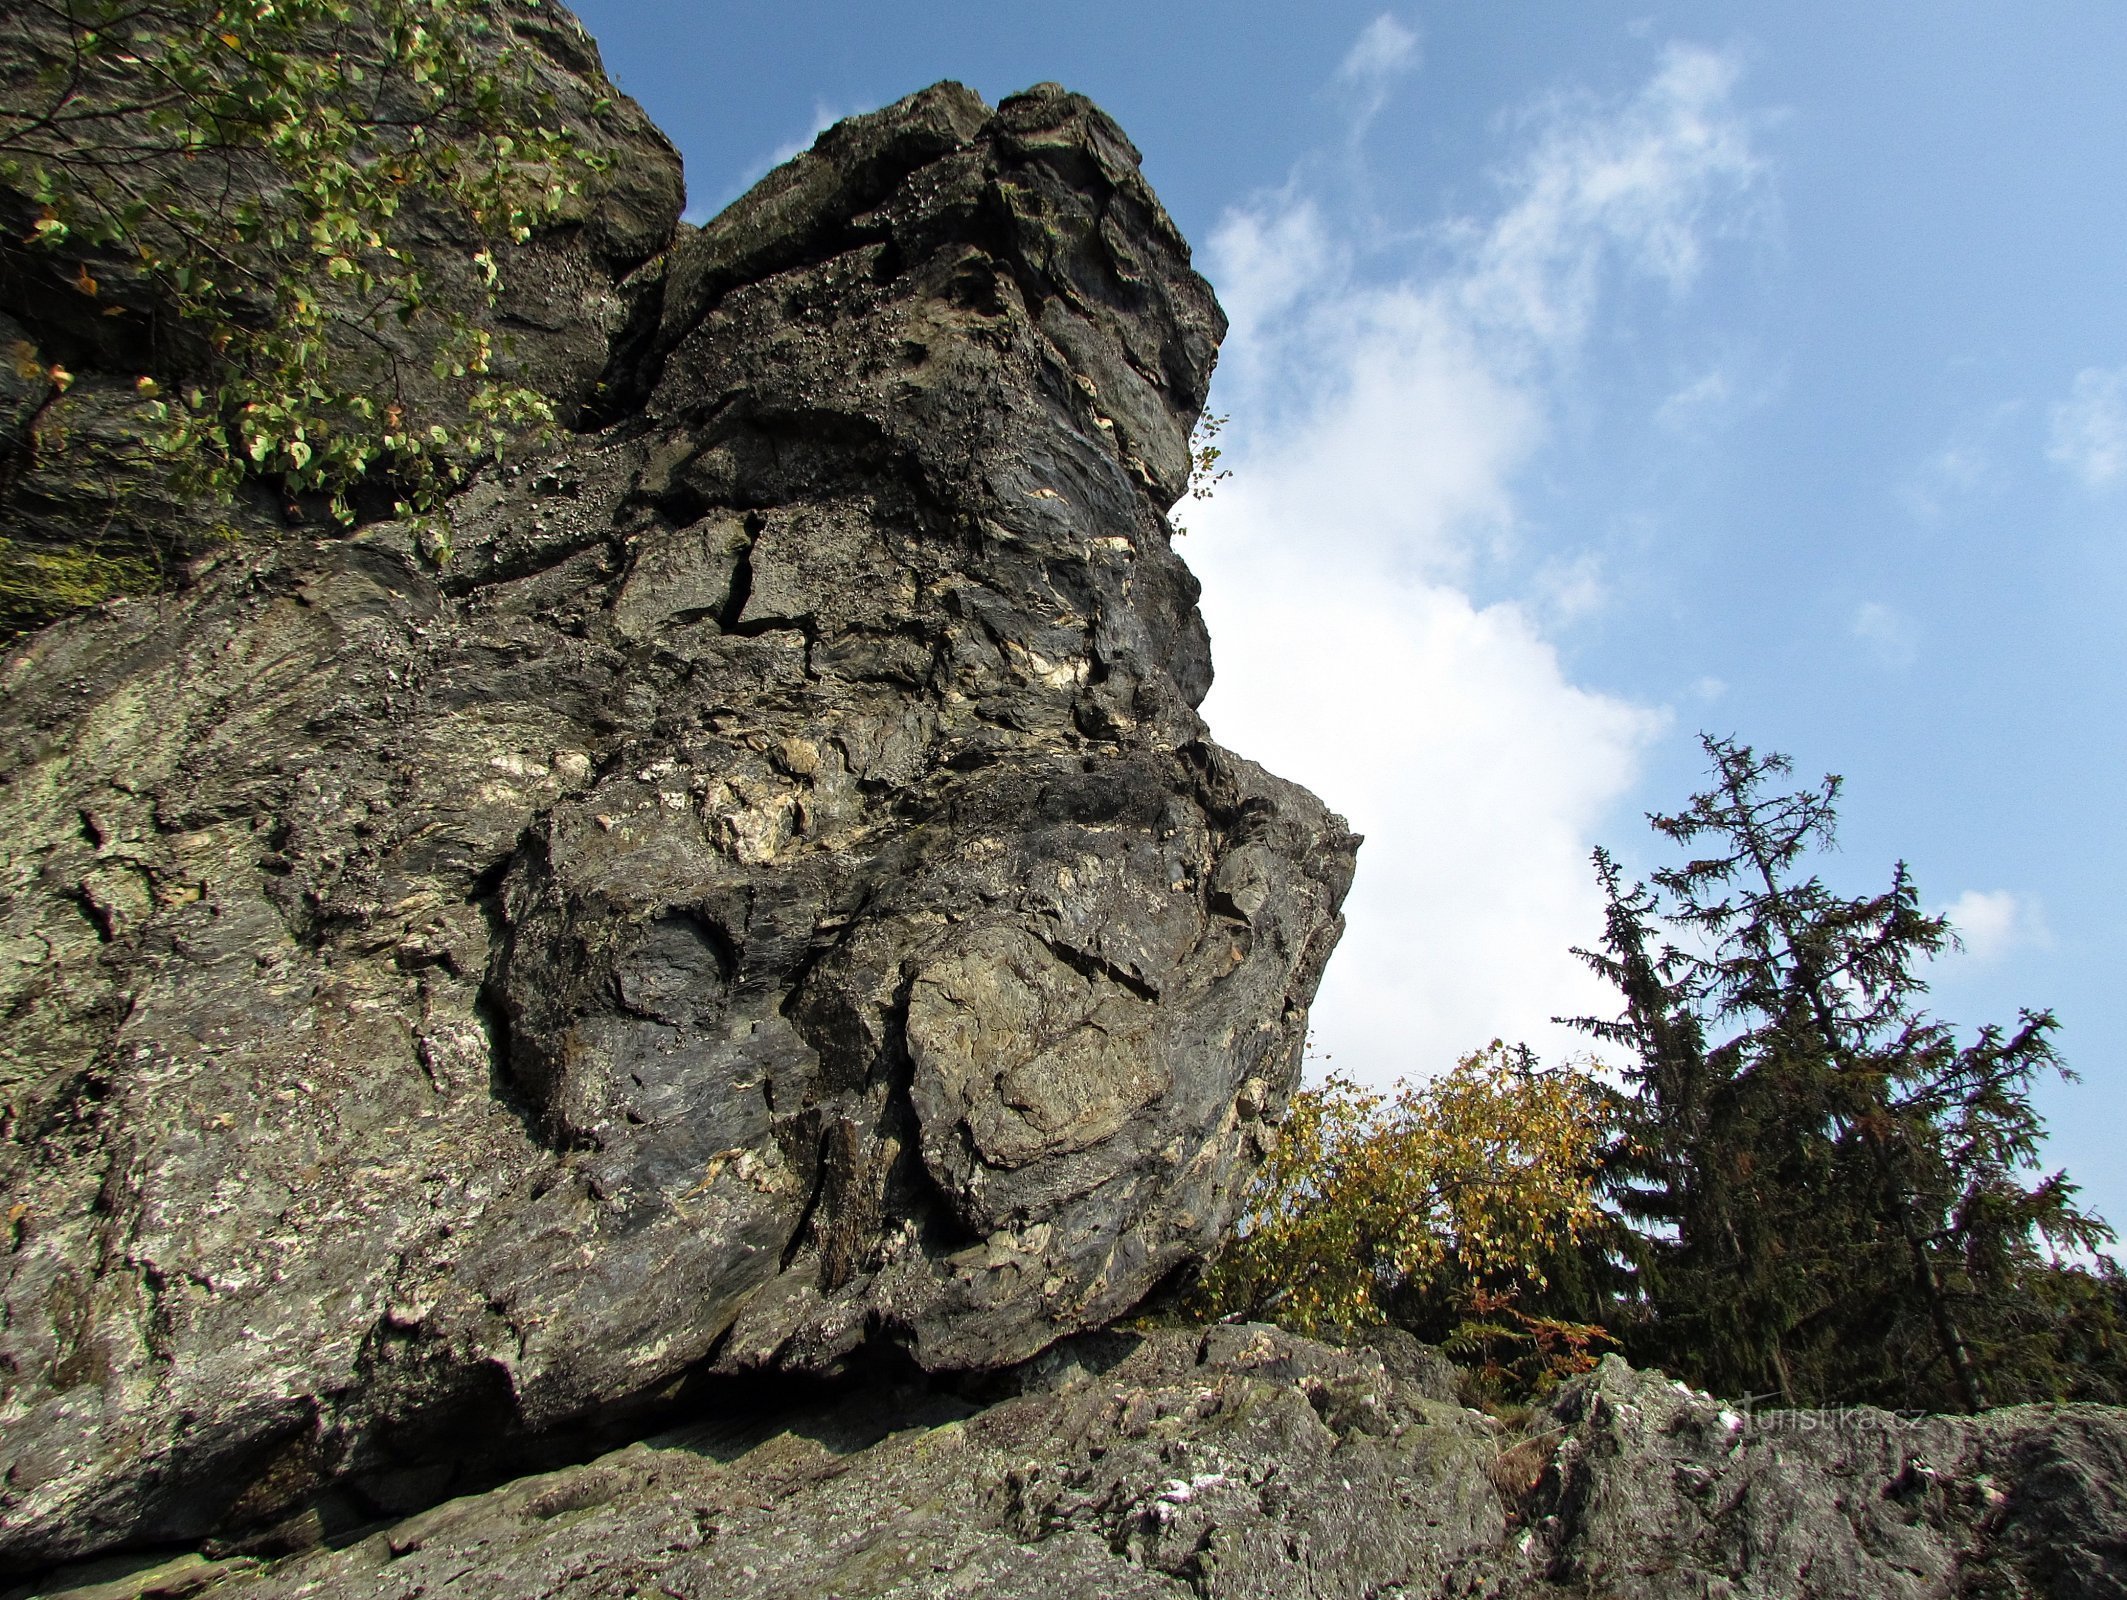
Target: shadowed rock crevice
{"x":763,"y":907}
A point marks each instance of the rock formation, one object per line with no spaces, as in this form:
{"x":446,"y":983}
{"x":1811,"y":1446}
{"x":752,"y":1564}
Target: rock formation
{"x":764,"y":903}
{"x":755,"y":943}
{"x":564,"y":300}
{"x":1244,"y":1464}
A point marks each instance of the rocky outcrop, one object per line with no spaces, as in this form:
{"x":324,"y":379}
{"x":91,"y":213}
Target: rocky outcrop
{"x":1242,"y":1462}
{"x":755,"y":943}
{"x":565,"y":299}
{"x":764,"y":904}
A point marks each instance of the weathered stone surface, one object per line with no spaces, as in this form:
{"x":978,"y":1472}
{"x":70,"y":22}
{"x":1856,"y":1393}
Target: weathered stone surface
{"x":566,"y":300}
{"x":1243,"y":1462}
{"x":767,"y":898}
{"x":1653,"y":1490}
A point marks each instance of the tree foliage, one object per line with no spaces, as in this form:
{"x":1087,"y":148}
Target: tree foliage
{"x":1366,"y":1196}
{"x":1205,"y":473}
{"x":1512,"y":1352}
{"x":255,"y":192}
{"x":1806,"y":1187}
{"x":1834,"y":1197}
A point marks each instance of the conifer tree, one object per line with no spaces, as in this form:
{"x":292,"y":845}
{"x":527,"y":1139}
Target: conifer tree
{"x":1834,"y":1199}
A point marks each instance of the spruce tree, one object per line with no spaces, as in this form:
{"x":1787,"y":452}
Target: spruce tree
{"x":1832,"y":1198}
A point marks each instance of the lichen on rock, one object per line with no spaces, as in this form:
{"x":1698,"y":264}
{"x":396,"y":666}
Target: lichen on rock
{"x":1244,"y":1463}
{"x":764,"y":901}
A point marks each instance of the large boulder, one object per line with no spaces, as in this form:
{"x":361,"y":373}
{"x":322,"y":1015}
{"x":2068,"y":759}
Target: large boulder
{"x":764,"y":903}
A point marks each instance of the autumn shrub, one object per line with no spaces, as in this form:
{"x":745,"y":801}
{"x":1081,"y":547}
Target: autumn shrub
{"x":1476,"y":1177}
{"x":1513,"y":1353}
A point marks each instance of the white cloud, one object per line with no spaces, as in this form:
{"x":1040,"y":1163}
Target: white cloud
{"x":1384,"y":49}
{"x":824,"y":116}
{"x":1269,"y":260}
{"x":2090,"y":428}
{"x":1891,"y":636}
{"x":1381,"y":420}
{"x":1648,"y":181}
{"x":1566,"y":589}
{"x":1968,"y":468}
{"x":1950,"y":475}
{"x":1691,"y":406}
{"x":1992,"y":922}
{"x":1449,"y":735}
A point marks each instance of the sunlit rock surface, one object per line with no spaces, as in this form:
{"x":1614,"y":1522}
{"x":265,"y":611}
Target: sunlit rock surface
{"x":765,"y":901}
{"x":1244,"y":1464}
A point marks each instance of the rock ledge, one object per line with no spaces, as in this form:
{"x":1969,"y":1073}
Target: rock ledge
{"x":1241,"y":1461}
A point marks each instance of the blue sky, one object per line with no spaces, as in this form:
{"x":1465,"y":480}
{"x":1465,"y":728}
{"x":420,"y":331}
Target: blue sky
{"x":1602,"y":373}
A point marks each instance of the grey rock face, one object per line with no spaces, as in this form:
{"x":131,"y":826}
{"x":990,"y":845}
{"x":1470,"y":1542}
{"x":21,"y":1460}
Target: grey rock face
{"x":767,"y":898}
{"x":566,"y":299}
{"x":1653,"y":1490}
{"x":1243,"y":1462}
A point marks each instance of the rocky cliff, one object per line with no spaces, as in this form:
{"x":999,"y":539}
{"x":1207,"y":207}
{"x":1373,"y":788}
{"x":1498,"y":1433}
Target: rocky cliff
{"x":764,"y":904}
{"x":565,"y":297}
{"x":684,"y":1023}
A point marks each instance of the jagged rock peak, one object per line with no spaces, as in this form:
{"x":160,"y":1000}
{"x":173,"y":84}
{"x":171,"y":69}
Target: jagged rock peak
{"x":765,"y":904}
